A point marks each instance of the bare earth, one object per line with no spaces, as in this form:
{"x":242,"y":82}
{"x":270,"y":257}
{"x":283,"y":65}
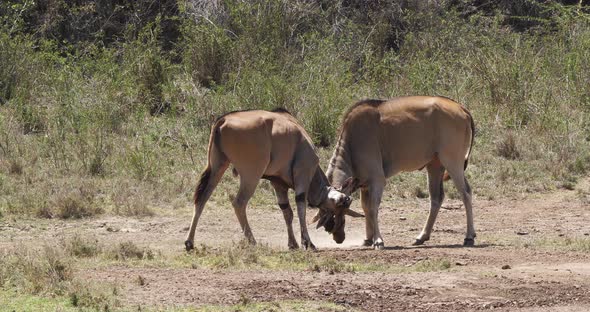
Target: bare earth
{"x":508,"y":270}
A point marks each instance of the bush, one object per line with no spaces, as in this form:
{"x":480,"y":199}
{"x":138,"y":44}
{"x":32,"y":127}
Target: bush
{"x":82,"y":247}
{"x":75,"y":205}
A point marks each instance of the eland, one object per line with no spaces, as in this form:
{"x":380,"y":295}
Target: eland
{"x":378,"y":139}
{"x":270,"y":145}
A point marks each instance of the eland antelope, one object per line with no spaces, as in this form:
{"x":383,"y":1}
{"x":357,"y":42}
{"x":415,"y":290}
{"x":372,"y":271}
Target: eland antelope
{"x":270,"y":145}
{"x":379,"y":139}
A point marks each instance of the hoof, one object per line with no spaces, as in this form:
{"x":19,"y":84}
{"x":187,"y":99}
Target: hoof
{"x":189,"y":245}
{"x":367,"y":243}
{"x":379,"y":246}
{"x":469,"y":242}
{"x":308,"y":246}
{"x":418,"y":242}
{"x":293,"y":247}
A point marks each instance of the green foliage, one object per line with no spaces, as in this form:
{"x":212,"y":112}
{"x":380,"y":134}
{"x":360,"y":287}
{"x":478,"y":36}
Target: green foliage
{"x":127,"y":98}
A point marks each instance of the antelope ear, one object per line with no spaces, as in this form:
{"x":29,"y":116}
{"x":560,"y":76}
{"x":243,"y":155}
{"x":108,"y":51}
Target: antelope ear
{"x":349,"y":185}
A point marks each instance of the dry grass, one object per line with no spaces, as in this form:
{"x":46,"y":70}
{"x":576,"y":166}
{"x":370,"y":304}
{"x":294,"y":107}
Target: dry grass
{"x":124,"y":130}
{"x":49,"y":272}
{"x":508,"y":148}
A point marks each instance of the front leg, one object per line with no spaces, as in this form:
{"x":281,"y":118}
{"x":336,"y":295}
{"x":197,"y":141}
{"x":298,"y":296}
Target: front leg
{"x":300,"y":200}
{"x":374,"y":193}
{"x":365,"y":202}
{"x":304,"y":167}
{"x":283,"y":201}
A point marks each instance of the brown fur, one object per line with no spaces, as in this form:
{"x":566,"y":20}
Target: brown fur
{"x":268,"y":145}
{"x":379,"y":139}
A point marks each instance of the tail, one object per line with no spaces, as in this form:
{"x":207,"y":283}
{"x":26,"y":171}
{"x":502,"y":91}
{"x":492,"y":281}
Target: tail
{"x":446,"y":176}
{"x":214,"y":144}
{"x":216,"y":165}
{"x":202,"y":186}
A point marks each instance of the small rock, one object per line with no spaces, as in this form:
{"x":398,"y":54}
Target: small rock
{"x":506,"y":267}
{"x":522,"y":233}
{"x":403,"y":218}
{"x":460,"y":263}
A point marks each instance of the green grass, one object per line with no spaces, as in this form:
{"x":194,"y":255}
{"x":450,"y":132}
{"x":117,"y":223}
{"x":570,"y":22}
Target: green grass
{"x":575,"y":244}
{"x":46,"y":278}
{"x":560,"y":243}
{"x":14,"y":301}
{"x":11,"y":300}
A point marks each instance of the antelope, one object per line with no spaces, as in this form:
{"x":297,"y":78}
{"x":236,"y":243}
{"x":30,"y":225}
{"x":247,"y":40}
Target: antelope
{"x":271,"y":145}
{"x":380,"y":138}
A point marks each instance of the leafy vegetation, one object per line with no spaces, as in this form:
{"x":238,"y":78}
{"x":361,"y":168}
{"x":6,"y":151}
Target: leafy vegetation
{"x":107,"y":107}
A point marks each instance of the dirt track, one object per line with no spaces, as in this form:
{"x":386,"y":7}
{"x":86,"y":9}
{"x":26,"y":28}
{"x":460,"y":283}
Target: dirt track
{"x":522,"y":260}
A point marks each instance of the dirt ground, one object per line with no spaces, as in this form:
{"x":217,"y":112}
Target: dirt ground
{"x":521,"y":261}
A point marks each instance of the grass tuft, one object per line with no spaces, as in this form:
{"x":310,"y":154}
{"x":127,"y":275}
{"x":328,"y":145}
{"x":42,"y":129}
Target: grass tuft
{"x":564,"y":244}
{"x":82,"y":247}
{"x":73,"y":206}
{"x":45,"y":271}
{"x":129,"y":251}
{"x":508,"y":148}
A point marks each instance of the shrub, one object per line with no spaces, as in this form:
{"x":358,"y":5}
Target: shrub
{"x":129,"y":251}
{"x":82,"y":247}
{"x":73,"y":205}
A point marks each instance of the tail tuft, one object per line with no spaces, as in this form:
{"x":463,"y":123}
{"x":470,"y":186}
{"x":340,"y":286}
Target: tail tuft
{"x":202,"y":186}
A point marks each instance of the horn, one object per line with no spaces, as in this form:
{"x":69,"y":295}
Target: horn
{"x":323,"y":220}
{"x":353,"y":213}
{"x":316,"y":217}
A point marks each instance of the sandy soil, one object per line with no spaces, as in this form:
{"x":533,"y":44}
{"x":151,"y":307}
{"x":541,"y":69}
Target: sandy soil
{"x":508,"y":270}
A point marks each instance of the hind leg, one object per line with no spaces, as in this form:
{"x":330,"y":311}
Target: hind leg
{"x":458,"y":175}
{"x":247,"y":188}
{"x":209,"y":180}
{"x":283,"y":201}
{"x":437,"y":194}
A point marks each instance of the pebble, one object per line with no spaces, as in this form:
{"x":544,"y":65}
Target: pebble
{"x":506,"y":267}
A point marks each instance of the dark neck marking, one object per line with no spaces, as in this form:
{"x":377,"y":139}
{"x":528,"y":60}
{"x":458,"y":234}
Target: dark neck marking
{"x":318,"y":188}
